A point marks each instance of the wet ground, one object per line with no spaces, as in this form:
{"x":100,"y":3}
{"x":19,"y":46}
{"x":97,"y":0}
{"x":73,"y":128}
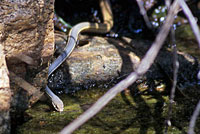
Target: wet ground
{"x":136,"y":110}
{"x":144,"y":113}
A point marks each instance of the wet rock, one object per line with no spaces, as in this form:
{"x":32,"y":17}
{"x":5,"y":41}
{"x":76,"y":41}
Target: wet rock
{"x":103,"y":60}
{"x":162,"y":67}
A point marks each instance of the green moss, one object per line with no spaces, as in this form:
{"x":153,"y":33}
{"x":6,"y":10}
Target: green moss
{"x":125,"y":114}
{"x":185,"y":32}
{"x":186,"y":41}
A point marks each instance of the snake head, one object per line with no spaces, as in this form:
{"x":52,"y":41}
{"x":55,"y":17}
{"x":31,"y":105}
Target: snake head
{"x":58,"y":104}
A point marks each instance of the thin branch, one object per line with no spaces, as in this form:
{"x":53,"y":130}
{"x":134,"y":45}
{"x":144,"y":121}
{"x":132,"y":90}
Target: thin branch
{"x":144,"y":14}
{"x":175,"y":72}
{"x":34,"y":93}
{"x":195,"y":29}
{"x":27,"y":59}
{"x":142,"y":68}
{"x":168,"y":3}
{"x":191,"y":19}
{"x":193,"y":119}
{"x":175,"y":66}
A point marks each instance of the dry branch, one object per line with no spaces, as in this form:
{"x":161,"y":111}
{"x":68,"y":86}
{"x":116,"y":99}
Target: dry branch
{"x":175,"y":71}
{"x":192,"y":20}
{"x":142,"y":68}
{"x":193,"y":119}
{"x":172,"y":94}
{"x":144,"y":13}
{"x":34,"y":93}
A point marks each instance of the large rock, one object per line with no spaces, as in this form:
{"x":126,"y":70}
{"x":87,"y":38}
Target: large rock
{"x":26,"y":27}
{"x":104,"y":59}
{"x":27,"y":40}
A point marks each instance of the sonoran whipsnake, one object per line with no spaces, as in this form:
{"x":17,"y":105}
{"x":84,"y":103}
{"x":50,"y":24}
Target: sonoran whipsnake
{"x":73,"y":37}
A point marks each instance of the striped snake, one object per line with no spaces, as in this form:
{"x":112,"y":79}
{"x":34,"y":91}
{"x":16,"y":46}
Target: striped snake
{"x":72,"y":41}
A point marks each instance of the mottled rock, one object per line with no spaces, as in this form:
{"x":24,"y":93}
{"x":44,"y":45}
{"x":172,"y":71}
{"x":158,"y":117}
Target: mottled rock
{"x":27,"y":40}
{"x":100,"y":60}
{"x":104,"y":59}
{"x":26,"y":27}
{"x":27,"y":35}
{"x":5,"y":95}
{"x":4,"y":122}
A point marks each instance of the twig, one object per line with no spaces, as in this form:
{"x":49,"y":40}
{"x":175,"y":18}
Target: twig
{"x":191,"y":19}
{"x":193,"y":119}
{"x":142,"y":68}
{"x":168,"y":3}
{"x":195,"y":29}
{"x":27,"y":59}
{"x":144,"y":14}
{"x":32,"y":91}
{"x":175,"y":72}
{"x":175,"y":66}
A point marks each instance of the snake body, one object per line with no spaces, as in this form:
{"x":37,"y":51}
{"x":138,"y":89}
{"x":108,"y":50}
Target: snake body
{"x":72,"y":41}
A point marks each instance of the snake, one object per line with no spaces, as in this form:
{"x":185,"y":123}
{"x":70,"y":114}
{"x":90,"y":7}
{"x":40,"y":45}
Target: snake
{"x":72,"y":41}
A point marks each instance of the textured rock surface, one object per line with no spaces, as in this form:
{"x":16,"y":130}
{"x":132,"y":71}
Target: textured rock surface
{"x":4,"y":122}
{"x":5,"y":95}
{"x":26,"y":34}
{"x":26,"y":27}
{"x":104,"y":59}
{"x":100,"y":60}
{"x":27,"y":40}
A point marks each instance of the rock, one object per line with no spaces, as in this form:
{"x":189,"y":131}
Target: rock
{"x":5,"y":95}
{"x":104,"y":59}
{"x":26,"y":27}
{"x":27,"y":38}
